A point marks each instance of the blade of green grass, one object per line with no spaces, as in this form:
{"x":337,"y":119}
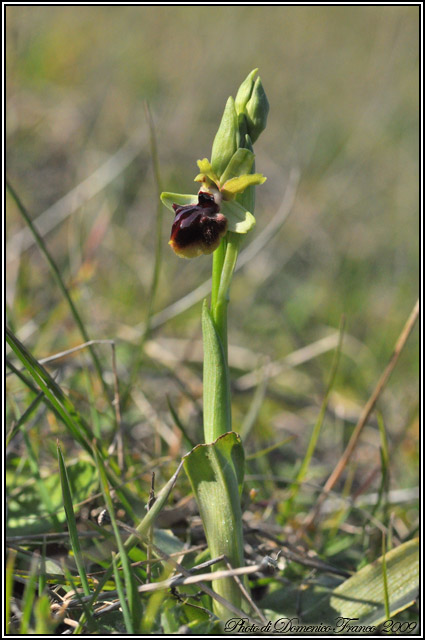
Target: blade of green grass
{"x":86,"y":616}
{"x":42,"y":489}
{"x":8,"y":587}
{"x":42,"y":578}
{"x":179,"y":423}
{"x":385,"y":579}
{"x":56,"y":274}
{"x":159,"y":218}
{"x":157,"y":261}
{"x":54,"y":393}
{"x":121,"y":595}
{"x":19,"y":374}
{"x":133,"y":597}
{"x":24,"y":417}
{"x":72,"y":525}
{"x":65,"y":410}
{"x":264,"y":452}
{"x":44,"y":622}
{"x":385,"y":467}
{"x":254,"y":409}
{"x":149,"y":519}
{"x":317,"y":427}
{"x":154,"y":604}
{"x":28,"y":597}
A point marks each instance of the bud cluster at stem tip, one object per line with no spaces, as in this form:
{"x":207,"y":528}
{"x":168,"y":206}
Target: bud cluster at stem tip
{"x":244,"y":118}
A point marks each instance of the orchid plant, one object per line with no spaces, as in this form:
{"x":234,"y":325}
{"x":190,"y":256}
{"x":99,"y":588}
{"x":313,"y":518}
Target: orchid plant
{"x":215,"y":220}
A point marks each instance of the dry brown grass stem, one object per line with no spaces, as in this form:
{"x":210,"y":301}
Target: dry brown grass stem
{"x":368,"y":408}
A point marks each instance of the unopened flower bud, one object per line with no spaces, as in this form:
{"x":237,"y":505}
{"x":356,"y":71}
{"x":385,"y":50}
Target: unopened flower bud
{"x":242,"y":130}
{"x":225,"y":143}
{"x":197,"y":228}
{"x":257,"y":109}
{"x":244,"y":92}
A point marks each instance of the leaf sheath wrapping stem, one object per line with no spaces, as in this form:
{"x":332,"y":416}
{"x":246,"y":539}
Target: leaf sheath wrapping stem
{"x":215,"y":472}
{"x":217,"y":407}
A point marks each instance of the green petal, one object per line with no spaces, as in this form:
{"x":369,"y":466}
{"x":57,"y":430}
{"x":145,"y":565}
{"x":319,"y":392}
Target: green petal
{"x":238,"y":185}
{"x":168,"y":199}
{"x":239,"y":165}
{"x":238,"y":218}
{"x":206,"y":170}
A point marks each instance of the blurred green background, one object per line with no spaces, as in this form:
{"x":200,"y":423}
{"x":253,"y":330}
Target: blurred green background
{"x":342,"y":83}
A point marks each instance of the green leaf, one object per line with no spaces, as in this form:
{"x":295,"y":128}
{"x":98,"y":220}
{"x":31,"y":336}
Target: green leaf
{"x":28,"y":598}
{"x":26,"y":511}
{"x":238,"y":218}
{"x":59,"y":280}
{"x":8,"y":592}
{"x":238,"y":185}
{"x":217,"y":410}
{"x":224,"y":145}
{"x":121,"y":595}
{"x":216,"y":472}
{"x":148,"y":521}
{"x":363,"y":596}
{"x":45,"y":623}
{"x":58,"y":400}
{"x":168,"y":199}
{"x":72,"y":524}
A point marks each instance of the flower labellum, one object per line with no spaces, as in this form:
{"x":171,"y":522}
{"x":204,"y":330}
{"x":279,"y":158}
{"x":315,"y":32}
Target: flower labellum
{"x":197,"y":228}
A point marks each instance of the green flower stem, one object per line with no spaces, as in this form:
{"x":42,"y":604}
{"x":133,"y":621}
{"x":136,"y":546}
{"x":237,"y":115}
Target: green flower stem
{"x":219,"y":307}
{"x":218,"y":260}
{"x":217,"y":399}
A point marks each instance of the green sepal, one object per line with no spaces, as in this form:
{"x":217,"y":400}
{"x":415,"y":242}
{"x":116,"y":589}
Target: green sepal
{"x":225,"y":144}
{"x":168,"y":199}
{"x":239,"y":219}
{"x":217,"y":410}
{"x":238,"y":185}
{"x":241,"y":163}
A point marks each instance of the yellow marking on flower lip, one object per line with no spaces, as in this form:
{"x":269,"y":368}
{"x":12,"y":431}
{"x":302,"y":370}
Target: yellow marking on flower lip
{"x":188,"y":252}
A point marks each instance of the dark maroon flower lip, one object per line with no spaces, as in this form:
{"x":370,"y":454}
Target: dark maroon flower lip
{"x":206,"y":202}
{"x":197,"y":228}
